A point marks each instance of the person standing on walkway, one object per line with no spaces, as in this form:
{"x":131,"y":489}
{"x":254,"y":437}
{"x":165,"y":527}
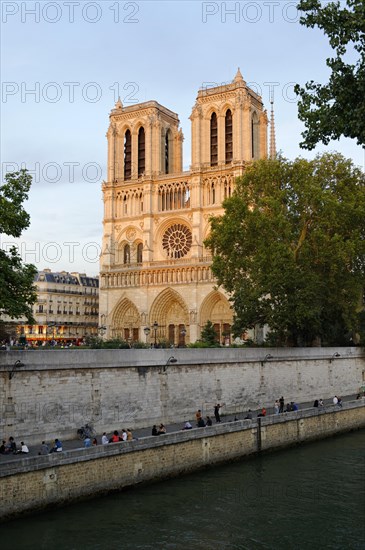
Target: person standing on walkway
{"x":276,"y":407}
{"x":216,"y":412}
{"x":281,"y":402}
{"x":198,"y":415}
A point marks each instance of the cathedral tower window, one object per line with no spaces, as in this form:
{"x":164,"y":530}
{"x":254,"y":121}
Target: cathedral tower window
{"x":255,"y":136}
{"x":229,"y":138}
{"x":139,"y":253}
{"x":127,"y":155}
{"x":167,"y":152}
{"x":141,"y":152}
{"x":213,"y":140}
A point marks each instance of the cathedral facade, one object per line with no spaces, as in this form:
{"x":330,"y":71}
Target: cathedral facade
{"x":155,"y":278}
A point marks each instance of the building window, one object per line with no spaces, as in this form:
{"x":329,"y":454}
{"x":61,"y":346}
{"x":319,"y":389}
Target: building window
{"x":127,"y":254}
{"x":141,"y":152}
{"x":255,"y":136}
{"x":139,"y":253}
{"x":213,"y":140}
{"x":229,"y":138}
{"x":127,"y":155}
{"x":167,"y":158}
{"x":40,"y":309}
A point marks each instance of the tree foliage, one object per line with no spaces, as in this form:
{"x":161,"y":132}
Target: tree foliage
{"x":338,"y":107}
{"x":290,"y":248}
{"x":16,"y":279}
{"x":209,"y":335}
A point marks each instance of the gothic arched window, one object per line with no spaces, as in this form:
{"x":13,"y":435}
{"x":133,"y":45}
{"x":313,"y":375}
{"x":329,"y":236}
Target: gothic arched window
{"x":255,"y":136}
{"x":127,"y":155}
{"x":213,"y":140}
{"x":139,"y":253}
{"x":228,"y":136}
{"x":141,"y":152}
{"x":167,"y":152}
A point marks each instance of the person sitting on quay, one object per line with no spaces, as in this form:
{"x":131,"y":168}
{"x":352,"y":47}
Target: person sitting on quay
{"x":104,"y":439}
{"x":10,"y":448}
{"x":263,"y":412}
{"x":87,"y":442}
{"x":288,"y":408}
{"x":3,"y":447}
{"x":95,"y":442}
{"x":248,"y":415}
{"x":124,"y":435}
{"x":335,"y":400}
{"x":57,"y":447}
{"x":161,"y":429}
{"x":339,"y":402}
{"x":316,"y":403}
{"x":24,"y":449}
{"x":154,"y":430}
{"x":44,"y":449}
{"x":115,"y":438}
{"x":320,"y":403}
{"x":294,"y":406}
{"x":201,"y":423}
{"x":209,"y":421}
{"x":187,"y":426}
{"x":129,"y":434}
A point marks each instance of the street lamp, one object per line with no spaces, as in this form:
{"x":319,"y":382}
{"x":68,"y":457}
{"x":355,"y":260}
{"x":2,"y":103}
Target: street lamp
{"x":266,"y":358}
{"x":170,"y":360}
{"x":146,"y":330}
{"x":336,"y":355}
{"x":155,"y":327}
{"x":17,"y":365}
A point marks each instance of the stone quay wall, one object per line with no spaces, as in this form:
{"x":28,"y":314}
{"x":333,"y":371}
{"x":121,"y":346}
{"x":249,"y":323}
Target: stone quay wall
{"x":46,"y":481}
{"x":51,"y":393}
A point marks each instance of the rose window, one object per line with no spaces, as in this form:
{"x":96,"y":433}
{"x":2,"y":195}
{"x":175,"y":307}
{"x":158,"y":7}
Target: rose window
{"x":177,"y":241}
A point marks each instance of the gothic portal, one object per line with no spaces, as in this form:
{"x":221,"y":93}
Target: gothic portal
{"x":155,"y":280}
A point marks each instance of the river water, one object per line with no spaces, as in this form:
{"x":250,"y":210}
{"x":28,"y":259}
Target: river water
{"x":306,"y":497}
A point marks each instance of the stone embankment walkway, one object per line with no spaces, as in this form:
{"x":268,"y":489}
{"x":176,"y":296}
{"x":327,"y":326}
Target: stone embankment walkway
{"x":145,"y":432}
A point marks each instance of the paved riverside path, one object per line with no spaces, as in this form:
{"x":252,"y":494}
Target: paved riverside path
{"x":145,"y":432}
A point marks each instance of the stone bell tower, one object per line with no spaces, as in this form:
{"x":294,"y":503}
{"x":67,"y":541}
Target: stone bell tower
{"x":229,"y":126}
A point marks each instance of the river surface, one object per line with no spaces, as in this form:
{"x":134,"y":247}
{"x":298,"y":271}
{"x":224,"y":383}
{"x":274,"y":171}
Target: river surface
{"x":306,"y":497}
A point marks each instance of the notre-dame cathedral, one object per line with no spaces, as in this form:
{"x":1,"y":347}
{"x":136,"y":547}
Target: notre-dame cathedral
{"x":155,"y":278}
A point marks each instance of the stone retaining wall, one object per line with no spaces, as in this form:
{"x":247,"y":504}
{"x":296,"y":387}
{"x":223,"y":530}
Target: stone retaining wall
{"x":55,"y":392}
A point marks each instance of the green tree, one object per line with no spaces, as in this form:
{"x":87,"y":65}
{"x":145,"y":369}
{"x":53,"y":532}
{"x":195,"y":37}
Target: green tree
{"x":338,"y":107}
{"x":209,"y":335}
{"x":16,"y":279}
{"x":290,"y":249}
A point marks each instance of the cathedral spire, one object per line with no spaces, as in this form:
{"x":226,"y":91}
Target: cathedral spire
{"x":119,"y":104}
{"x":238,"y":77}
{"x":272,"y":129}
